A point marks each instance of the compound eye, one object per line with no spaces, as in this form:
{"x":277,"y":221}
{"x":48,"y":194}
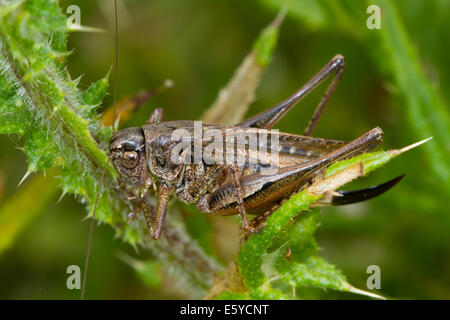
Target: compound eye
{"x":130,"y":159}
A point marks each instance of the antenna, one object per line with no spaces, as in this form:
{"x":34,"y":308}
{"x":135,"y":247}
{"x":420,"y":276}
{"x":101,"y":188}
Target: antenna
{"x":91,"y":231}
{"x":116,"y":64}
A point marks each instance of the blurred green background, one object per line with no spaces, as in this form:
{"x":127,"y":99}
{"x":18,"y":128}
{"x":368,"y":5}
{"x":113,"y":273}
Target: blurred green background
{"x":199,"y":44}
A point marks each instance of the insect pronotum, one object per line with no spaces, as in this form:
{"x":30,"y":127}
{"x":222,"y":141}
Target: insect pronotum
{"x":150,"y":159}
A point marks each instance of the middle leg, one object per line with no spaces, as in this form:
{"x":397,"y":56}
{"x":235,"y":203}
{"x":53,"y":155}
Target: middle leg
{"x":237,"y":187}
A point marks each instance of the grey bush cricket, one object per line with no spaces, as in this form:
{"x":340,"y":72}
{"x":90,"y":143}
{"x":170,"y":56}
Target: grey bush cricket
{"x":144,"y":159}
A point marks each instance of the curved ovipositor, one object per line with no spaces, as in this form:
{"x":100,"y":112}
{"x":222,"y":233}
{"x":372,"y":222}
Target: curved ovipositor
{"x":354,"y":196}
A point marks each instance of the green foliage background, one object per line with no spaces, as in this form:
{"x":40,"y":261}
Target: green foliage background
{"x":396,"y":78}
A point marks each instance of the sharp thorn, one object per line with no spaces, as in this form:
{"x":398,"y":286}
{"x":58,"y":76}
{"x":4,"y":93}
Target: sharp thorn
{"x":80,"y":28}
{"x":62,"y":196}
{"x":411,"y":146}
{"x":280,"y":16}
{"x":27,"y":174}
{"x":116,"y":123}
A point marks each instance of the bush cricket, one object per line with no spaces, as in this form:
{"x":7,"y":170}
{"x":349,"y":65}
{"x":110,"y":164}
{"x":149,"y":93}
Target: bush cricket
{"x":146,"y":162}
{"x":149,"y":158}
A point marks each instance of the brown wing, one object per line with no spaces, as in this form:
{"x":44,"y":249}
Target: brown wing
{"x":262,"y":191}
